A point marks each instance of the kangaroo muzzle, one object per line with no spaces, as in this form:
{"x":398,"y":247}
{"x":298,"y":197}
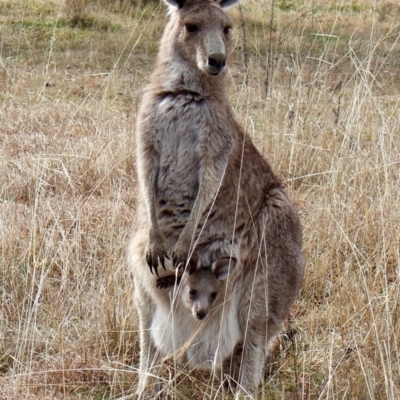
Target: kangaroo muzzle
{"x":216,"y":63}
{"x":214,"y":60}
{"x":200,"y":309}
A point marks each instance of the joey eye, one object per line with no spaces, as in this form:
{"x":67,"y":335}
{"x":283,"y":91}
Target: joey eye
{"x":192,"y":292}
{"x":192,"y":28}
{"x":227,"y":30}
{"x":214,"y":295}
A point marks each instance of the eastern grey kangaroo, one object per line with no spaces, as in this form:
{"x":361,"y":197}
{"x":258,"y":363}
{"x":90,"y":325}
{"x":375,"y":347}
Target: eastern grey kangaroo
{"x":200,"y":296}
{"x":205,"y":188}
{"x":199,"y":286}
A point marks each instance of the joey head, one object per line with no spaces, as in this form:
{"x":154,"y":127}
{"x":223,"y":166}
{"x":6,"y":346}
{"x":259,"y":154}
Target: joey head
{"x":200,"y":286}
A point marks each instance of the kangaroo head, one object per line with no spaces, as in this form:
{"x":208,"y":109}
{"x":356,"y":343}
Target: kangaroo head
{"x":202,"y":285}
{"x":201,"y":33}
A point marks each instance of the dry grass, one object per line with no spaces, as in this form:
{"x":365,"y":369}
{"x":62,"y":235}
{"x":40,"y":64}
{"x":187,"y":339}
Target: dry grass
{"x":329,"y":125}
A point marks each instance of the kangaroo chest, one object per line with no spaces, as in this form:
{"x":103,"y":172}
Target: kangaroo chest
{"x":183,"y":128}
{"x":201,"y":345}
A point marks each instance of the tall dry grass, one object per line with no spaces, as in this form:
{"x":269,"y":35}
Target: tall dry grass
{"x":329,"y":124}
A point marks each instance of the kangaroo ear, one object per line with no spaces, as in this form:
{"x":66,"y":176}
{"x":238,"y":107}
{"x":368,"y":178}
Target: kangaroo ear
{"x":220,"y":268}
{"x":175,"y":3}
{"x":227,"y":3}
{"x":194,"y":264}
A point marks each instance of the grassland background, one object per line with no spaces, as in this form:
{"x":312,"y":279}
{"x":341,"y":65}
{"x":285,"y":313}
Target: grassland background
{"x":328,"y":121}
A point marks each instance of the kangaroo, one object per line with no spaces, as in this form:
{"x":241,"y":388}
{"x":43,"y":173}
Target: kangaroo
{"x":199,"y":292}
{"x":199,"y":286}
{"x":203,"y":185}
{"x":200,"y":299}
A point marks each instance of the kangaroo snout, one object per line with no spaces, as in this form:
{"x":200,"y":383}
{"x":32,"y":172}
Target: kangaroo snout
{"x":216,"y":63}
{"x":201,"y":314}
{"x":200,"y":308}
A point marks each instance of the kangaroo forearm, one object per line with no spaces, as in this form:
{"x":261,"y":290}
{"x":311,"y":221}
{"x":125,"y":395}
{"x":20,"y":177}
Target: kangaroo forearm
{"x":147,"y":171}
{"x":148,"y":167}
{"x":210,"y":182}
{"x":188,"y":232}
{"x":151,"y":204}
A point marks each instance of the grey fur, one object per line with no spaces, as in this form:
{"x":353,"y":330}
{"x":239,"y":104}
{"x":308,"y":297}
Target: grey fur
{"x":199,"y":296}
{"x":199,"y":286}
{"x":204,"y":185}
{"x":181,"y":3}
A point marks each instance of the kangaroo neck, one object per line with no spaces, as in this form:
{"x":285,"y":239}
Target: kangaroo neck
{"x":176,"y":76}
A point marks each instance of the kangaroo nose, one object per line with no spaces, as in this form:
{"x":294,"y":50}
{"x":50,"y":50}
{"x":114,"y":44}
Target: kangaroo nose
{"x":216,"y":62}
{"x":201,"y":315}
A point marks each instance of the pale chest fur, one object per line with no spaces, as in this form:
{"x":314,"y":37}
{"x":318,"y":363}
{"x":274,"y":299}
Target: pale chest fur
{"x":186,"y":133}
{"x":202,"y":345}
{"x":181,"y":125}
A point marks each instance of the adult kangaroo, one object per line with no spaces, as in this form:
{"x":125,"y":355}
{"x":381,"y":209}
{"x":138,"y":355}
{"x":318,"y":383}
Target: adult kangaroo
{"x":205,"y":188}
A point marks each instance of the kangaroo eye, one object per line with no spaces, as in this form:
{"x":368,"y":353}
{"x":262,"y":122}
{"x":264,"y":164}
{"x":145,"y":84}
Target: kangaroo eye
{"x":227,"y":30}
{"x":192,"y":292}
{"x":214,"y":295}
{"x":192,"y":28}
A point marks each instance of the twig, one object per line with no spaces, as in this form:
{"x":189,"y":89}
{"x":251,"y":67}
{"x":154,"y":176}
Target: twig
{"x":244,"y":46}
{"x":337,"y":111}
{"x":267,"y":84}
{"x":310,"y":59}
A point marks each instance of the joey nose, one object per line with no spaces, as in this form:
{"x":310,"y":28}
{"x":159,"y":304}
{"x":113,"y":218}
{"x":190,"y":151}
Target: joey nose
{"x":216,"y":63}
{"x":201,"y":315}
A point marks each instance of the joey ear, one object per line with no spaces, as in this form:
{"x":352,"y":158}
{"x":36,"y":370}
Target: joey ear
{"x":220,"y":267}
{"x":194,"y":264}
{"x":227,"y":3}
{"x":175,"y":3}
